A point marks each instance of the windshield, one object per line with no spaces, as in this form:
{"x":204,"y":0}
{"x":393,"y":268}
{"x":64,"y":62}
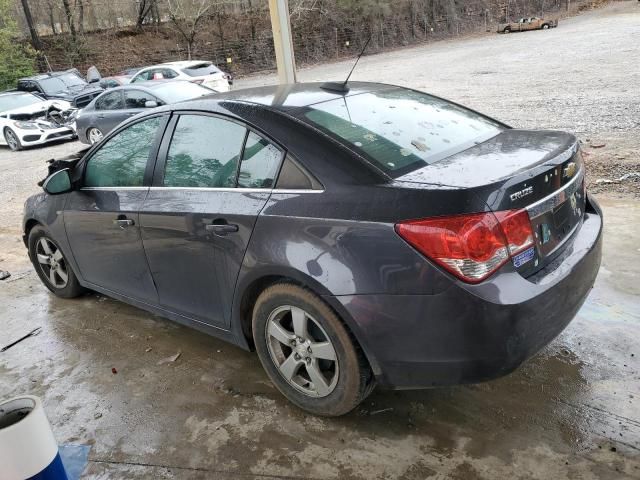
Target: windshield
{"x":401,"y":130}
{"x":60,"y":83}
{"x":177,"y":92}
{"x":201,"y":69}
{"x":17,"y":100}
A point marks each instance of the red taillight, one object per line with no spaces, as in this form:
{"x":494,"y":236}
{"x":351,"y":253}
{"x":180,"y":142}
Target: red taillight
{"x":472,"y":246}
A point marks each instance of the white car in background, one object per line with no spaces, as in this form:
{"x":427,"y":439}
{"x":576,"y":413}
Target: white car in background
{"x":26,"y":120}
{"x":201,"y":72}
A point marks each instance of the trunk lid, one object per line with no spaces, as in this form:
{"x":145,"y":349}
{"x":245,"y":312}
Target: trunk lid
{"x":540,"y":171}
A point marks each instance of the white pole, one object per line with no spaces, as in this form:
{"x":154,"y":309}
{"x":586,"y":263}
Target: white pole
{"x":281,"y":26}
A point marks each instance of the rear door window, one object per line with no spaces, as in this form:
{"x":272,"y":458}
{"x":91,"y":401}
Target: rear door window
{"x":204,"y":153}
{"x":260,"y":161}
{"x":110,"y":101}
{"x":122,"y":160}
{"x":400,"y":130}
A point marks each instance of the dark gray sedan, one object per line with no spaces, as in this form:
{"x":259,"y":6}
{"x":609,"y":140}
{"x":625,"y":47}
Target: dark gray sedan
{"x":119,"y":103}
{"x":375,"y":236}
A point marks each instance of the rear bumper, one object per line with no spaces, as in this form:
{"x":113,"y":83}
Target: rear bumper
{"x":472,"y":333}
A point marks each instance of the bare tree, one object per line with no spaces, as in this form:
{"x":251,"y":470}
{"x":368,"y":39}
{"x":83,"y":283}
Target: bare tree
{"x":145,"y":9}
{"x":185,"y":15}
{"x":35,"y":39}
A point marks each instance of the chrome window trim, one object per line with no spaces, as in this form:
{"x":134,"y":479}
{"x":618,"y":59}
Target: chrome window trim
{"x":298,"y":190}
{"x":113,"y":188}
{"x":238,"y":189}
{"x":556,"y":198}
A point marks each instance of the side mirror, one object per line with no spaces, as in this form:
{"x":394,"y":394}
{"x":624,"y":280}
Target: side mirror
{"x":150,"y":104}
{"x":57,"y":183}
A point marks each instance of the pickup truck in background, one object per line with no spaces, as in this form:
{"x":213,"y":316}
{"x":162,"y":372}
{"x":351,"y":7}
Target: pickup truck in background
{"x":531,"y":23}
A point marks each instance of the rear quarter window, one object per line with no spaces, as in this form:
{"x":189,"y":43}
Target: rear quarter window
{"x":400,"y":130}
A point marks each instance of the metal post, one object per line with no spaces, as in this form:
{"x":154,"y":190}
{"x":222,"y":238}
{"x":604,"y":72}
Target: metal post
{"x":281,"y":26}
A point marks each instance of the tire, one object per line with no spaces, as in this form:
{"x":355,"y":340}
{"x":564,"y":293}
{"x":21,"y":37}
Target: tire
{"x":507,"y":30}
{"x":43,"y":250}
{"x":12,"y":140}
{"x":545,"y":26}
{"x":345,"y":382}
{"x":94,"y":135}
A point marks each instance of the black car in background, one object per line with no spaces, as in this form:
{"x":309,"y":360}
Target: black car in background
{"x":375,"y":236}
{"x":67,"y":85}
{"x":119,"y":103}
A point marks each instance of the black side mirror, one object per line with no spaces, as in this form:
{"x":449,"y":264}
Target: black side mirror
{"x":58,"y":182}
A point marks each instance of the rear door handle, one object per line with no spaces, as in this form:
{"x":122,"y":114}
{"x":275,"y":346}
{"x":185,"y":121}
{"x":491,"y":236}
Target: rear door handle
{"x":100,"y":116}
{"x":123,"y":222}
{"x":222,"y":229}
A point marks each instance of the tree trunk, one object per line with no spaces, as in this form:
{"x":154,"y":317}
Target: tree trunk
{"x":35,"y":39}
{"x":69,"y":14}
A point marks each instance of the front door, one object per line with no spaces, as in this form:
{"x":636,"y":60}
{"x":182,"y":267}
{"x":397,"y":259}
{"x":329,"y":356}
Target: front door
{"x":198,"y":217}
{"x":102,"y":217}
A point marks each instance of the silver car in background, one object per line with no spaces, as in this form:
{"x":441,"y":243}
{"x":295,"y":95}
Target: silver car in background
{"x":119,"y":103}
{"x":197,"y":71}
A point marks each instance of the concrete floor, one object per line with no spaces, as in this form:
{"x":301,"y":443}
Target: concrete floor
{"x":570,"y":412}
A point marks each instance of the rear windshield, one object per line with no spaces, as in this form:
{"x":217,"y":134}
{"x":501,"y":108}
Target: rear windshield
{"x":201,"y":70}
{"x":401,"y":130}
{"x":180,"y":91}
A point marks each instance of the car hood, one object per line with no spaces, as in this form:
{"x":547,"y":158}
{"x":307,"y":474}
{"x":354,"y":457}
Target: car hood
{"x":36,"y":108}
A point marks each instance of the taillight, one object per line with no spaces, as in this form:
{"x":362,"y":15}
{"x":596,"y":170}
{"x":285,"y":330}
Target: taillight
{"x":197,"y":81}
{"x":472,"y":246}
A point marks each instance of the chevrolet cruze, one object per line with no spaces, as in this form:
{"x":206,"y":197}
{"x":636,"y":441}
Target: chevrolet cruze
{"x":372,"y":236}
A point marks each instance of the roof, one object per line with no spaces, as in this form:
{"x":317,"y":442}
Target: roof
{"x":43,"y":76}
{"x":185,"y":63}
{"x":292,"y":96}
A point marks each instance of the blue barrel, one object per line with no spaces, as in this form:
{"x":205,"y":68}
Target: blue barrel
{"x":28,"y":449}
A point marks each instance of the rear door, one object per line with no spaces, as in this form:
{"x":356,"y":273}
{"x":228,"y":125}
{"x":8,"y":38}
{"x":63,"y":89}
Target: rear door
{"x":109,"y":111}
{"x":213,"y":178}
{"x":135,"y":102}
{"x":102,"y":217}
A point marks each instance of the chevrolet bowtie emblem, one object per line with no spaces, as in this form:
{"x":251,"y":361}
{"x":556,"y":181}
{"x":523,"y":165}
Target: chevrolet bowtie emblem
{"x":570,"y":170}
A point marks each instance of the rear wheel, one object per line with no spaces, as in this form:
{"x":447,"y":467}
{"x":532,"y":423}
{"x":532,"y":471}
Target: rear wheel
{"x":51,"y":265}
{"x":507,"y":30}
{"x":94,"y":135}
{"x":545,"y":26}
{"x":307,"y":351}
{"x":13,"y":142}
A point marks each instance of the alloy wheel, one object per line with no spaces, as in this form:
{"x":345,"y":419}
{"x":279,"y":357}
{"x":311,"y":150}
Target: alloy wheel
{"x":302,"y":351}
{"x":11,"y":139}
{"x":52,"y":263}
{"x":94,"y":135}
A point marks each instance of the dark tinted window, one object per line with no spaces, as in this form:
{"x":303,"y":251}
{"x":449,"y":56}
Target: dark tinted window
{"x":401,"y":130}
{"x":121,"y":161}
{"x":293,"y":176}
{"x":204,"y":152}
{"x":138,"y":99}
{"x":201,"y":70}
{"x":110,"y":101}
{"x":260,"y":162}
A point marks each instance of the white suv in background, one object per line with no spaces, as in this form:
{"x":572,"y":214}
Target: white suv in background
{"x":196,"y":71}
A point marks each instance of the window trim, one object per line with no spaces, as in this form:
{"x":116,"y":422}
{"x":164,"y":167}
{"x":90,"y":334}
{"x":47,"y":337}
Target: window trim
{"x":151,"y":159}
{"x":161,"y":161}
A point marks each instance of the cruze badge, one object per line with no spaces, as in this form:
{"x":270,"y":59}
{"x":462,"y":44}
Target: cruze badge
{"x":570,"y":170}
{"x":521,"y":194}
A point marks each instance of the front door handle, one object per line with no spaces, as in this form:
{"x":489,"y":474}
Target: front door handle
{"x":222,"y":229}
{"x":123,"y":222}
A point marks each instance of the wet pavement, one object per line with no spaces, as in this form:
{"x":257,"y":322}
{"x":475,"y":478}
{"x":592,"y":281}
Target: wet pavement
{"x":570,"y":412}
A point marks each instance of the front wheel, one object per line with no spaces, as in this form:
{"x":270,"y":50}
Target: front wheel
{"x":51,"y":265}
{"x":94,"y":135}
{"x":545,"y":26}
{"x":507,"y":30}
{"x":13,"y":142}
{"x":307,"y":351}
